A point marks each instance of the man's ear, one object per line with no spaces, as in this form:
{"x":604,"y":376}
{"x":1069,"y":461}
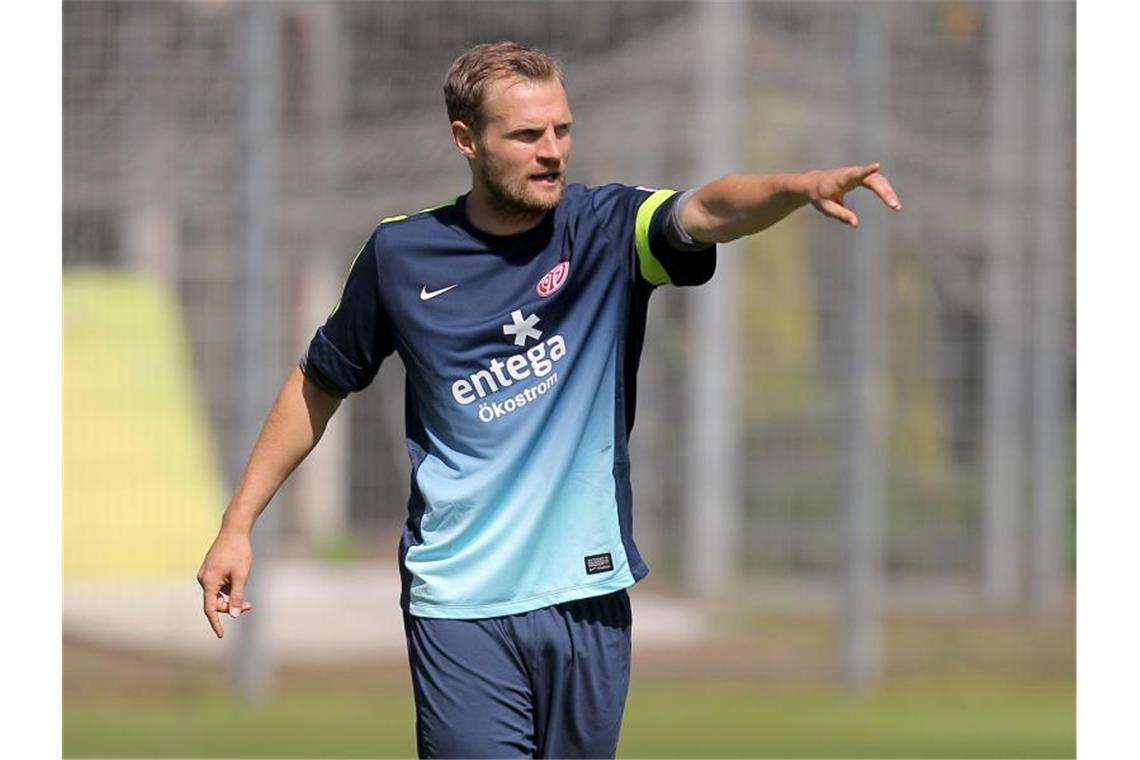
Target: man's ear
{"x":464,"y":139}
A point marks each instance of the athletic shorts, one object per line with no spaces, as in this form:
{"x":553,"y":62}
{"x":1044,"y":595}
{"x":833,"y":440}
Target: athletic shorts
{"x":551,"y":682}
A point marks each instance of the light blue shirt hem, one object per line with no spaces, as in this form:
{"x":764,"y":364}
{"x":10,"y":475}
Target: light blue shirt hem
{"x":478,"y":611}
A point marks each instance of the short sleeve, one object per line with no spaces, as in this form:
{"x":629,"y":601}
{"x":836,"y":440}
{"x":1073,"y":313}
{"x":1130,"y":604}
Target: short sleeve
{"x":659,"y":262}
{"x":347,"y":350}
{"x":647,"y":211}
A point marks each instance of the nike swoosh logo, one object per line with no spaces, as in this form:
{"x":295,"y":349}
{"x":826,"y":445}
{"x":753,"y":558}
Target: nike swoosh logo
{"x":425,"y":295}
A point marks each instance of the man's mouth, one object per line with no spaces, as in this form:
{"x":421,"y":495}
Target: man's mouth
{"x":550,"y":178}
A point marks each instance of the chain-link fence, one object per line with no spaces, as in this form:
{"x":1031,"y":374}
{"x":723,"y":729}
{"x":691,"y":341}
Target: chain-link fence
{"x":975,"y":293}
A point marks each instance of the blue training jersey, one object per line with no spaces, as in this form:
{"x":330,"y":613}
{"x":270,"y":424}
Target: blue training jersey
{"x":521,"y":354}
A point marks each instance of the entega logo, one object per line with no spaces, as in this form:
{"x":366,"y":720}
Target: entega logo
{"x":536,"y":361}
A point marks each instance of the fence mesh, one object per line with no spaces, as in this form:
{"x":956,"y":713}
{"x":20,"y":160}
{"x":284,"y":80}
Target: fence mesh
{"x":153,"y":160}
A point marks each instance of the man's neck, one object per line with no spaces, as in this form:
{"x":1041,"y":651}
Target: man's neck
{"x":486,"y":215}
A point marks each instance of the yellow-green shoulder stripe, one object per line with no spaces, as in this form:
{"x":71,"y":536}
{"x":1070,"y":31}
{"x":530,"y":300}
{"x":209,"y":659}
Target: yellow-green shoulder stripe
{"x":396,"y":218}
{"x":345,"y":283}
{"x":651,"y":268}
{"x":400,"y":217}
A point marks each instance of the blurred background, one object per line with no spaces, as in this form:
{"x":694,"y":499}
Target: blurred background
{"x":853,"y":460}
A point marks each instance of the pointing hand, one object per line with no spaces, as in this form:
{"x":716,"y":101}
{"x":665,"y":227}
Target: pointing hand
{"x":827,"y":187}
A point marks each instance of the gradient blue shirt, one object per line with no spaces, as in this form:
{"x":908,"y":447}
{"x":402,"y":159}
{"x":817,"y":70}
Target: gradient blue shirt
{"x":521,"y":354}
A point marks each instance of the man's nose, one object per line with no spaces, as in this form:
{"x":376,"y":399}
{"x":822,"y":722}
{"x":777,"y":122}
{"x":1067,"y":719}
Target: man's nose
{"x":549,"y":147}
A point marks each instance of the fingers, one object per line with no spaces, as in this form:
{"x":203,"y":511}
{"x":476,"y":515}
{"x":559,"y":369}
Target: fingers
{"x":869,"y":177}
{"x":837,"y":211}
{"x":223,"y":578}
{"x":224,"y":605}
{"x":215,"y":603}
{"x":853,"y":176}
{"x":879,"y":185}
{"x":834,"y":184}
{"x":237,"y":595}
{"x":858,"y":173}
{"x":211,"y":593}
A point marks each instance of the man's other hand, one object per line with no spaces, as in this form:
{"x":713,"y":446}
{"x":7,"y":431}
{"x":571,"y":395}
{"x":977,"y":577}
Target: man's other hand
{"x":223,"y":575}
{"x":827,"y":187}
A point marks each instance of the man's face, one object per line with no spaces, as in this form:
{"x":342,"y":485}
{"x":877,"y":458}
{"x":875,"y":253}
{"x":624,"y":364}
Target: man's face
{"x":524,"y":145}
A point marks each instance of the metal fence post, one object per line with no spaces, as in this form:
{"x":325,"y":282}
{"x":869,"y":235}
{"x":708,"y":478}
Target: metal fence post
{"x":259,"y":311}
{"x":1049,"y":464}
{"x":712,"y":491}
{"x":1005,"y":376}
{"x":862,"y":600}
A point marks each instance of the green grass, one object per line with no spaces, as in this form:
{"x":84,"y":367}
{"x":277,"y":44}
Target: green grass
{"x":664,"y":718}
{"x":964,"y":688}
{"x":378,"y":723}
{"x":918,"y":720}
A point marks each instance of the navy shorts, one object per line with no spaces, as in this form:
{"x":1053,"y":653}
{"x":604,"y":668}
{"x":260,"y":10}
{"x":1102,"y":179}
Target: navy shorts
{"x":551,"y":682}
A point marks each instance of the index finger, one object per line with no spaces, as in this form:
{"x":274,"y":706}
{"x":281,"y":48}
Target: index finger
{"x":855,"y":175}
{"x":210,"y":607}
{"x":878,"y":184}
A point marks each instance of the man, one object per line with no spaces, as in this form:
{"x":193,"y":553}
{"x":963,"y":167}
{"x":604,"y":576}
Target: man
{"x":518,"y":310}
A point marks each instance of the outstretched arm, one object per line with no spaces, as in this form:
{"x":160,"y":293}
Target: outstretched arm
{"x":295,"y":424}
{"x":732,"y":207}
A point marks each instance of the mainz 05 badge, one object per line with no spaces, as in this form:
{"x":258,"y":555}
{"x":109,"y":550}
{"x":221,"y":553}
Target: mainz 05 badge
{"x":554,"y":279}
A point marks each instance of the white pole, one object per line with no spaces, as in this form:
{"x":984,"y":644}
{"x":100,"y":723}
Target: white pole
{"x":1005,"y":376}
{"x":1050,"y":464}
{"x":260,"y":374}
{"x":320,"y":487}
{"x":862,"y":655}
{"x":712,"y":492}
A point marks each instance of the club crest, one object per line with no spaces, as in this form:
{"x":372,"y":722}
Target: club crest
{"x":554,"y":279}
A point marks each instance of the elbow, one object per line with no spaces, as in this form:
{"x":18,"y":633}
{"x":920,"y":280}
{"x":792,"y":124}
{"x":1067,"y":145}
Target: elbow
{"x":703,"y":224}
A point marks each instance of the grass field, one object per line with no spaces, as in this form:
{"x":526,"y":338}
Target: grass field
{"x":966,"y":689}
{"x":664,"y":719}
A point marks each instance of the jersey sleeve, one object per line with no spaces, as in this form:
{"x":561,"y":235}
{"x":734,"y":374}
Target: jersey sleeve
{"x":647,"y":211}
{"x":346,"y":351}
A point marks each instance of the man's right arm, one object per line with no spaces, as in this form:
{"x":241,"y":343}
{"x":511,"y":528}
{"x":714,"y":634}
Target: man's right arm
{"x":343,"y":357}
{"x":294,"y":426}
{"x":734,"y":206}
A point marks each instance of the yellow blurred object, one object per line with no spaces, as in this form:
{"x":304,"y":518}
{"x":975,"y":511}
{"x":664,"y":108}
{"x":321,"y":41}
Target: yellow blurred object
{"x":920,"y":434}
{"x":779,"y":321}
{"x":141,"y":486}
{"x":960,"y":21}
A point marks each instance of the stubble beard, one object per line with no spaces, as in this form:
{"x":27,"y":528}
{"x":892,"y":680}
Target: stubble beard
{"x":516,"y":202}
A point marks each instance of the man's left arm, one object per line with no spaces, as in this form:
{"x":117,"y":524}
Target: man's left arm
{"x":734,"y":206}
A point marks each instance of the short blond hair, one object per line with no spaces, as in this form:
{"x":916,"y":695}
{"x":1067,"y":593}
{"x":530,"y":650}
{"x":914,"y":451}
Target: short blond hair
{"x":471,"y":72}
